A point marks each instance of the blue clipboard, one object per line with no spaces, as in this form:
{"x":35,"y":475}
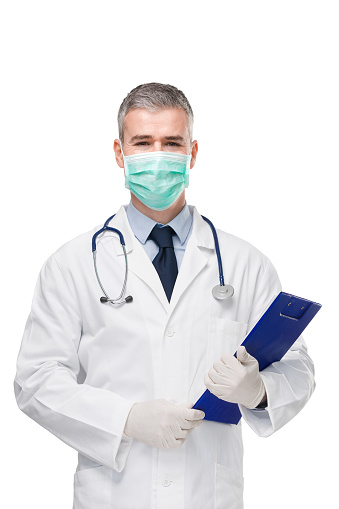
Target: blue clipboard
{"x":268,"y":341}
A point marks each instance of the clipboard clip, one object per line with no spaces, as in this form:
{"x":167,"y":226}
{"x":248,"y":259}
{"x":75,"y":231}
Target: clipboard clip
{"x":295,"y":308}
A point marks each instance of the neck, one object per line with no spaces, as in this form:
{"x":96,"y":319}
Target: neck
{"x":160,"y":216}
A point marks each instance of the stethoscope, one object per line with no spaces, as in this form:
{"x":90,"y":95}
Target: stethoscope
{"x":219,"y":292}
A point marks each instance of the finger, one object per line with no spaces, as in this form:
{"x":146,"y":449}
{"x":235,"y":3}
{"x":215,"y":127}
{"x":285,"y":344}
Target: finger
{"x":212,"y":374}
{"x":193,"y":414}
{"x":222,"y":376}
{"x":180,"y":440}
{"x":218,"y":378}
{"x":228,"y":359}
{"x":221,"y":391}
{"x":190,"y":424}
{"x":207,"y":381}
{"x":178,"y":443}
{"x":167,"y":444}
{"x":199,"y":423}
{"x":219,"y":366}
{"x":242,"y":354}
{"x":179,"y":433}
{"x":217,"y":382}
{"x":189,"y":432}
{"x":244,"y":357}
{"x":231,"y":362}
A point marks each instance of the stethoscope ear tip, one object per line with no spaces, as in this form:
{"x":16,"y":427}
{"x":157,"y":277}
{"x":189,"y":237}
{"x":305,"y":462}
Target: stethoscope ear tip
{"x":129,"y":298}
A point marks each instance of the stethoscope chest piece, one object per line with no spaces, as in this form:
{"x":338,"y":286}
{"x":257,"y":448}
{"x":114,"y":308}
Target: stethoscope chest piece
{"x":222,"y":292}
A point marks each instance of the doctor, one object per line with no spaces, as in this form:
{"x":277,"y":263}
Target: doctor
{"x":117,"y":382}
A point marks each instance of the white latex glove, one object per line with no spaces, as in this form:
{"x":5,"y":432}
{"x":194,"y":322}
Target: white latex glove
{"x":236,"y":379}
{"x":161,"y":423}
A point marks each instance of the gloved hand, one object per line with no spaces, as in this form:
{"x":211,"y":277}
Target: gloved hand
{"x":161,"y":423}
{"x":236,"y":379}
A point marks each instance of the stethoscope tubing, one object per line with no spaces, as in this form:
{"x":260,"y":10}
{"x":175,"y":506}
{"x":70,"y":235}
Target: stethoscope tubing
{"x":105,"y":228}
{"x":122,"y":242}
{"x":94,"y":251}
{"x":217,"y":250}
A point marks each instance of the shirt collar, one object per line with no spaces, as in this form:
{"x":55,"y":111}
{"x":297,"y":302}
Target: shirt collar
{"x":142,"y":225}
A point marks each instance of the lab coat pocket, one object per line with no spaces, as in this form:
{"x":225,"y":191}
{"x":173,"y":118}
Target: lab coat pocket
{"x":88,"y":474}
{"x":91,"y":487}
{"x":229,"y":486}
{"x":223,"y":336}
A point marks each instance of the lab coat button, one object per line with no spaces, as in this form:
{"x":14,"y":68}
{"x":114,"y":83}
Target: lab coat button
{"x":169,"y":333}
{"x":166,"y":482}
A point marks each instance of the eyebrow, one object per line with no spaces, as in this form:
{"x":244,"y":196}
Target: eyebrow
{"x":139,"y":137}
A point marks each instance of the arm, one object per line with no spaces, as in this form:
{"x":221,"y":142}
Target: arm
{"x":289,"y":383}
{"x":89,"y":419}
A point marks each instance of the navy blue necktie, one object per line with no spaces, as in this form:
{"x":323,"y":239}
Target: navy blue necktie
{"x":165,"y":261}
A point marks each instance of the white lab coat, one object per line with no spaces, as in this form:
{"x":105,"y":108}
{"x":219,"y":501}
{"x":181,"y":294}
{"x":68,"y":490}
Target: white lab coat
{"x":82,"y":365}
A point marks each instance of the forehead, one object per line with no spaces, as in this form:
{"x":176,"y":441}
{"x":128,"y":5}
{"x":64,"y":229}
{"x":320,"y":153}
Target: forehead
{"x":164,"y":122}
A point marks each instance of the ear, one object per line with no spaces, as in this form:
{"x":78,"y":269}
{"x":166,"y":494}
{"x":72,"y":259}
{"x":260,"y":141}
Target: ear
{"x":118,"y":154}
{"x":194,"y":153}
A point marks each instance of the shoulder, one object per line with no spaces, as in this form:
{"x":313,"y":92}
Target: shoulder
{"x":241,"y":248}
{"x":252,"y":268}
{"x":249,"y":260}
{"x":75,"y":252}
{"x":234,"y":250}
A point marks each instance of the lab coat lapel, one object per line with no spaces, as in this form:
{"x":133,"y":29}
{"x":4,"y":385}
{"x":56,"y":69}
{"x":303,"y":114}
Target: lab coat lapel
{"x":195,"y":258}
{"x":139,"y":263}
{"x":138,"y":260}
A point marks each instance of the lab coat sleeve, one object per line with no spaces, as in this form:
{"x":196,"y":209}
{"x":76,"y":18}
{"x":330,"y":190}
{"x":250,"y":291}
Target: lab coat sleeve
{"x":89,"y":419}
{"x":289,"y":383}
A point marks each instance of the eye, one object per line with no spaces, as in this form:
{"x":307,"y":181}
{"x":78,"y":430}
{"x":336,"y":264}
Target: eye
{"x":142,"y":143}
{"x":173,"y":144}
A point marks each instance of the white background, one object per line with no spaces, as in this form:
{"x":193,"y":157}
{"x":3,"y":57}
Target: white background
{"x":262,"y":79}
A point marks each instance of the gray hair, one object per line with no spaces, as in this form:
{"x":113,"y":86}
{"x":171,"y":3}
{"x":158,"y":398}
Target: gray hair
{"x":153,"y":97}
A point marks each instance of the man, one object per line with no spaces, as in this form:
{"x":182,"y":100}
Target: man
{"x":117,"y":382}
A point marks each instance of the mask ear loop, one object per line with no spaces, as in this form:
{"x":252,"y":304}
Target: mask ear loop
{"x":123,"y":155}
{"x":125,"y":166}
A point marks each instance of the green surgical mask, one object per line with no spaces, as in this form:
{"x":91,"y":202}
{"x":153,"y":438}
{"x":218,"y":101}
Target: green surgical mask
{"x":157,"y":178}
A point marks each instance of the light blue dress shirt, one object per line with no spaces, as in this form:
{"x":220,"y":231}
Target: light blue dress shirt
{"x":142,"y":226}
